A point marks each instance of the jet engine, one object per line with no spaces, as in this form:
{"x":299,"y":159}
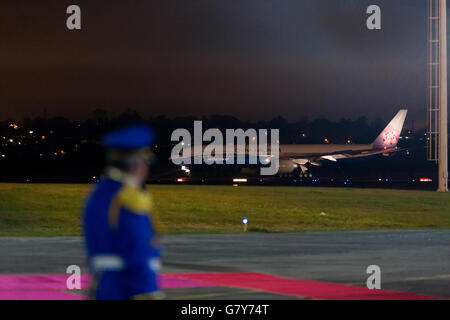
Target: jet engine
{"x":287,"y":166}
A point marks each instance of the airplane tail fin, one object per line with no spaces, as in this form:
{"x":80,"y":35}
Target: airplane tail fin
{"x":388,"y":138}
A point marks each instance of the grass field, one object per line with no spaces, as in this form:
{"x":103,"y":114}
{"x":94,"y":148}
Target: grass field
{"x":54,"y":209}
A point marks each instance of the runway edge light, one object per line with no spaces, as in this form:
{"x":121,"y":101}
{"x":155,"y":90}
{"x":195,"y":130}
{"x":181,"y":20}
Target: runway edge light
{"x":245,"y":223}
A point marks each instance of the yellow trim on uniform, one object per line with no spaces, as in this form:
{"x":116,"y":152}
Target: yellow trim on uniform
{"x":113,"y":217}
{"x":133,"y":198}
{"x":122,"y":177}
{"x":136,"y":200}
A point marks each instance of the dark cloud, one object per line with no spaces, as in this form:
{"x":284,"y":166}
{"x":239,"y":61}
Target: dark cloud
{"x":252,"y":59}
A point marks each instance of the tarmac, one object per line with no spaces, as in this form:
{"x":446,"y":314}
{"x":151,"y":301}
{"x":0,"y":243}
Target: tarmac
{"x":236,"y":266}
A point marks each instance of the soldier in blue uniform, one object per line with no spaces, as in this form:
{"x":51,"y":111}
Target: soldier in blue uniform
{"x":121,"y":235}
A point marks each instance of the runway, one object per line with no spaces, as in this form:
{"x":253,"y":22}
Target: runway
{"x":234,"y":266}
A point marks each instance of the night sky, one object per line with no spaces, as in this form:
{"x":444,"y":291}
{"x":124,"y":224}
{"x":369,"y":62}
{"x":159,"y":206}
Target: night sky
{"x":253,"y":59}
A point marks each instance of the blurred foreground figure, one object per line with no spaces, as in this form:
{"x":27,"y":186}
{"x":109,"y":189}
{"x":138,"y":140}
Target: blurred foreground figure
{"x":120,"y":234}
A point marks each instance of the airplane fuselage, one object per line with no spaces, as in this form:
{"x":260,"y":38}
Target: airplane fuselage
{"x":291,"y":156}
{"x":303,"y":150}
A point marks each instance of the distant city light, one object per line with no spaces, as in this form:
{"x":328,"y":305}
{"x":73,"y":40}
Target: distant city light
{"x":326,"y":140}
{"x":180,"y":180}
{"x":425,"y":180}
{"x":240,"y":180}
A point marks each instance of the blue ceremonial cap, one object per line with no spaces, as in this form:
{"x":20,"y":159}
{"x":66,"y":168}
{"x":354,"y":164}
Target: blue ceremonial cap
{"x":132,"y":137}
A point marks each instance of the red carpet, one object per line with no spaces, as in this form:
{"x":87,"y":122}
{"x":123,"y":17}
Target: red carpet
{"x":53,"y":286}
{"x":302,"y":288}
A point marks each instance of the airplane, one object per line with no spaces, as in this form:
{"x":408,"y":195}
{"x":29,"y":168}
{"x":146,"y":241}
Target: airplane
{"x":294,"y":156}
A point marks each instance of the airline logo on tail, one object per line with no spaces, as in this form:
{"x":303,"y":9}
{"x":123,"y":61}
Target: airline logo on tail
{"x":390,"y":135}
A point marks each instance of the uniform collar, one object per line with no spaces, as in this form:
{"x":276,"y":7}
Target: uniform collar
{"x":120,"y":176}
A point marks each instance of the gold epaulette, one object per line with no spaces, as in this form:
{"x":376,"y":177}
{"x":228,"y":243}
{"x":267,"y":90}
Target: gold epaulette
{"x":136,"y":200}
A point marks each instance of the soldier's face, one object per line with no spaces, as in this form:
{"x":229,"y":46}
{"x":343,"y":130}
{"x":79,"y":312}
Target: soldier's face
{"x":143,"y":170}
{"x":140,"y":172}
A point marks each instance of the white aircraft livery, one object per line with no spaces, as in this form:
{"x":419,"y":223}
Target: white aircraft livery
{"x":290,"y":156}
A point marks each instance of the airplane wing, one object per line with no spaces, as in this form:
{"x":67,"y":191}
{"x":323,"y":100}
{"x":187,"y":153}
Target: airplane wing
{"x":334,"y":156}
{"x":343,"y":154}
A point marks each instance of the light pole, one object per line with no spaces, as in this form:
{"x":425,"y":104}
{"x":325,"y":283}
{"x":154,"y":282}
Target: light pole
{"x":437,"y":140}
{"x":443,"y":142}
